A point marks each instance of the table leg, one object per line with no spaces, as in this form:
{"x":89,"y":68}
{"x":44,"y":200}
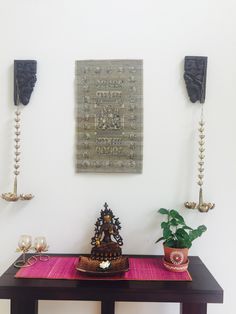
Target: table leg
{"x":193,"y":308}
{"x":108,"y":307}
{"x":24,"y":306}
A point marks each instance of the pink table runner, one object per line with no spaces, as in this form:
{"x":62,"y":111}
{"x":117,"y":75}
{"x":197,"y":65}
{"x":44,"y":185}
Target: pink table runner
{"x":65,"y":268}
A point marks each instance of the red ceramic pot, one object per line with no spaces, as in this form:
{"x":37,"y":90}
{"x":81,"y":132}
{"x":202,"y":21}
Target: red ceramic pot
{"x":175,"y":268}
{"x":176,"y":256}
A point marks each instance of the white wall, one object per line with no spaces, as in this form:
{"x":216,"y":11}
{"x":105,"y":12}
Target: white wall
{"x":58,"y":32}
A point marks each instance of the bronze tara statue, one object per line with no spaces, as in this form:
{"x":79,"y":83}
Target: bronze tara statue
{"x":106,"y":256}
{"x":106,"y":231}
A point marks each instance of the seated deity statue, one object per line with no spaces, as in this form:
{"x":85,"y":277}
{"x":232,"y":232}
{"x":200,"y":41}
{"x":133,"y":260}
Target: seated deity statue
{"x":107,"y":240}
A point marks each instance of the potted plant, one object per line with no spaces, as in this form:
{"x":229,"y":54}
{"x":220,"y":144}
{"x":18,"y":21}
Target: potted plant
{"x":177,"y":239}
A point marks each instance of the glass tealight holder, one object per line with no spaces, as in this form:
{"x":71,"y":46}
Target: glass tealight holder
{"x":24,"y":245}
{"x":40,"y":246}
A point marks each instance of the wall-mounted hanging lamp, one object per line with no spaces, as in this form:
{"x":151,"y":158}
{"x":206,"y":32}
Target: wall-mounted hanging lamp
{"x":24,"y":82}
{"x":195,"y":70}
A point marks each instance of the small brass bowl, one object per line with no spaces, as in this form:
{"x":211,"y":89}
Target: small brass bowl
{"x":190,"y":205}
{"x":26,"y":197}
{"x":10,"y":197}
{"x":205,"y":207}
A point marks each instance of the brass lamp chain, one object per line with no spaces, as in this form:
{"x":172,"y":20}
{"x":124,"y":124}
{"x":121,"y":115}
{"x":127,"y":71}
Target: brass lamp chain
{"x":201,"y":206}
{"x":13,"y":196}
{"x":17,"y":148}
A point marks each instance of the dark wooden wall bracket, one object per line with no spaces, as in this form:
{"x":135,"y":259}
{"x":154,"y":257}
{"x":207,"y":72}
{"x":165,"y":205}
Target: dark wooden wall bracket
{"x":195,"y":71}
{"x":24,"y":80}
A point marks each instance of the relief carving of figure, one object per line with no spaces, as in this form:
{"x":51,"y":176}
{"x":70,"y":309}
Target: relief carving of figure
{"x":195,"y":77}
{"x":109,"y":118}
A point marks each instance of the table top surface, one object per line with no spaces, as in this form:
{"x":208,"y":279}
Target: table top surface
{"x":203,"y":287}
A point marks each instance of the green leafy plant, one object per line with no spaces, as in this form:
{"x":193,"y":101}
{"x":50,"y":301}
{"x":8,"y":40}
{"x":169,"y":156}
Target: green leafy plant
{"x":176,"y":233}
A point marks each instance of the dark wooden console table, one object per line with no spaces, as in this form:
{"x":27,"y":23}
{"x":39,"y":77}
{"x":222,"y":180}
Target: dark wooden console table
{"x":192,"y":296}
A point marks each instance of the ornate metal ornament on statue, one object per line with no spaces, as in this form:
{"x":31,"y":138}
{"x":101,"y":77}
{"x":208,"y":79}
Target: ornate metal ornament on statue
{"x":24,"y":82}
{"x":106,"y":255}
{"x":195,"y":78}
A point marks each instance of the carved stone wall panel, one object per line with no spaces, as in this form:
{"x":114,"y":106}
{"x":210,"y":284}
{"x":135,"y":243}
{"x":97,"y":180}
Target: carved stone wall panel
{"x":109,"y":129}
{"x":195,"y":71}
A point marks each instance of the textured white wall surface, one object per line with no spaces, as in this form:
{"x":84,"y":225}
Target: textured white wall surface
{"x":66,"y":204}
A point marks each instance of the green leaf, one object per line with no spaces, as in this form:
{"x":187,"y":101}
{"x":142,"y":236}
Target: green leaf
{"x":164,"y":225}
{"x":163,"y":211}
{"x":187,"y":228}
{"x":194,"y":234}
{"x":186,"y":244}
{"x":183,"y":237}
{"x":183,"y":241}
{"x":190,"y":244}
{"x":176,"y":215}
{"x":202,"y":229}
{"x":162,"y":238}
{"x":170,"y":243}
{"x":182,"y":233}
{"x":181,"y":244}
{"x":167,"y":233}
{"x":173,"y":222}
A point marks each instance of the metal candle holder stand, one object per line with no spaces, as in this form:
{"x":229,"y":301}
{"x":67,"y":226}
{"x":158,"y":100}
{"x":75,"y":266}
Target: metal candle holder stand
{"x":31,"y":260}
{"x":24,"y":81}
{"x":195,"y":78}
{"x":25,"y":263}
{"x":24,"y":246}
